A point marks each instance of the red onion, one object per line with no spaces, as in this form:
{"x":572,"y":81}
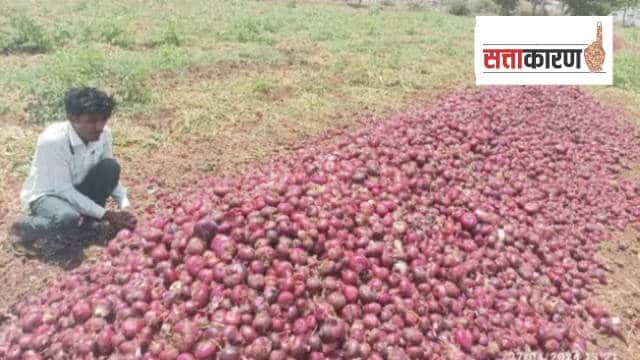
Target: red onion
{"x":131,"y":327}
{"x":205,"y":229}
{"x":223,"y":246}
{"x":31,"y":321}
{"x":333,"y":330}
{"x":463,"y":338}
{"x":81,"y":311}
{"x":205,"y":350}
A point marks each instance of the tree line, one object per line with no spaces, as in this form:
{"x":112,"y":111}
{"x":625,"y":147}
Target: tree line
{"x":572,"y":7}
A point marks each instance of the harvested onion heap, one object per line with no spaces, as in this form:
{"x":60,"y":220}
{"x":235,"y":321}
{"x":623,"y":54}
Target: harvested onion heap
{"x":463,"y":230}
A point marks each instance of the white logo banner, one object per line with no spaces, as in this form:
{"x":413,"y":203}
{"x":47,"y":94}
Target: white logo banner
{"x":544,"y":50}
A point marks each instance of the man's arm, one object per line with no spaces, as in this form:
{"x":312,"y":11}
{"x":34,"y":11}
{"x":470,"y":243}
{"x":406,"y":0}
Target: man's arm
{"x":120,"y":192}
{"x":54,"y":165}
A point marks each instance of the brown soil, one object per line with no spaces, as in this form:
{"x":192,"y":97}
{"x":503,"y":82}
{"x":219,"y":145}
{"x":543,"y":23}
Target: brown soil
{"x":618,"y":42}
{"x":621,"y":294}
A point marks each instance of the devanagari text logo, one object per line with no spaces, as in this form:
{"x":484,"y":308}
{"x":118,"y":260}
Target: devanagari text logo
{"x":544,"y":50}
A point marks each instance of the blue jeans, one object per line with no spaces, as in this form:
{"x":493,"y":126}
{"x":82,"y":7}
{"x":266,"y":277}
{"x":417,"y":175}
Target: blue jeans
{"x":51,"y":214}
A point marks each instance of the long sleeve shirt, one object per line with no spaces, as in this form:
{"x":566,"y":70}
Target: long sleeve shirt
{"x":61,"y":161}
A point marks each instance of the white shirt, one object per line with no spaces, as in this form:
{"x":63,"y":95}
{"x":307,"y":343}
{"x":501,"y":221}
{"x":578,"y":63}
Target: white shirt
{"x":56,"y":169}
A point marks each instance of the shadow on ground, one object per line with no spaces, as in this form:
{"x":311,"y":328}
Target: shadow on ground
{"x":65,"y":251}
{"x":26,"y":275}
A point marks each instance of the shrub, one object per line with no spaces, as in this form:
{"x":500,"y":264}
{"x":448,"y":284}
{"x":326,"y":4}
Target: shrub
{"x":114,"y":33}
{"x":627,"y":74}
{"x":507,"y":7}
{"x":26,"y":35}
{"x":413,"y":4}
{"x":459,"y":8}
{"x":82,"y":67}
{"x":262,"y":86}
{"x":171,"y":35}
{"x":250,"y":30}
{"x":589,"y":7}
{"x":484,"y":7}
{"x":44,"y":103}
{"x":131,"y":90}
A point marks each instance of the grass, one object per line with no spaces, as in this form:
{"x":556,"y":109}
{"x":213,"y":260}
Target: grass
{"x":627,"y":60}
{"x":147,"y":39}
{"x":625,"y":94}
{"x":25,"y":35}
{"x":266,"y":72}
{"x":627,"y":71}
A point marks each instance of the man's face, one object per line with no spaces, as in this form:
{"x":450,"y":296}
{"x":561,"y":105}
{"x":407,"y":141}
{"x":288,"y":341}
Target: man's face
{"x":88,"y":126}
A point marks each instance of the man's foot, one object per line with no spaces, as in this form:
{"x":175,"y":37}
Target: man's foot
{"x":19,"y":244}
{"x":22,"y":250}
{"x":22,"y":244}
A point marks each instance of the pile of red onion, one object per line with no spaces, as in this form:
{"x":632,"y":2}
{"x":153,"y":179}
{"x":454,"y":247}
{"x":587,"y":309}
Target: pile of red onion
{"x":460,"y":231}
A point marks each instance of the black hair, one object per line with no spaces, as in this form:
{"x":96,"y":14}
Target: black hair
{"x":88,"y":100}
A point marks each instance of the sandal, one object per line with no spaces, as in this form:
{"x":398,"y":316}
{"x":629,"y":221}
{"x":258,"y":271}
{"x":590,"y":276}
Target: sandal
{"x":40,"y":247}
{"x":21,"y":249}
{"x":18,"y":244}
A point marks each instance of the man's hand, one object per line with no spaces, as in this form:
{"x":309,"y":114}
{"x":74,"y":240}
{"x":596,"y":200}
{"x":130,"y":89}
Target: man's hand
{"x":120,"y":219}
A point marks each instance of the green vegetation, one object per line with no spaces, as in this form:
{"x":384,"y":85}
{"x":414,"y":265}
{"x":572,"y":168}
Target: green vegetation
{"x":626,"y":67}
{"x":120,"y":45}
{"x":24,"y":35}
{"x":214,"y":69}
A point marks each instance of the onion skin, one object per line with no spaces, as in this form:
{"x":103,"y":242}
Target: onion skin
{"x":229,"y":353}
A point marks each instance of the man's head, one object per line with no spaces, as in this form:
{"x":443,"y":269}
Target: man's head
{"x":88,"y":110}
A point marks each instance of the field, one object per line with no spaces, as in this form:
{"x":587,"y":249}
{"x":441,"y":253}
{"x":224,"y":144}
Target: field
{"x":213,"y":87}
